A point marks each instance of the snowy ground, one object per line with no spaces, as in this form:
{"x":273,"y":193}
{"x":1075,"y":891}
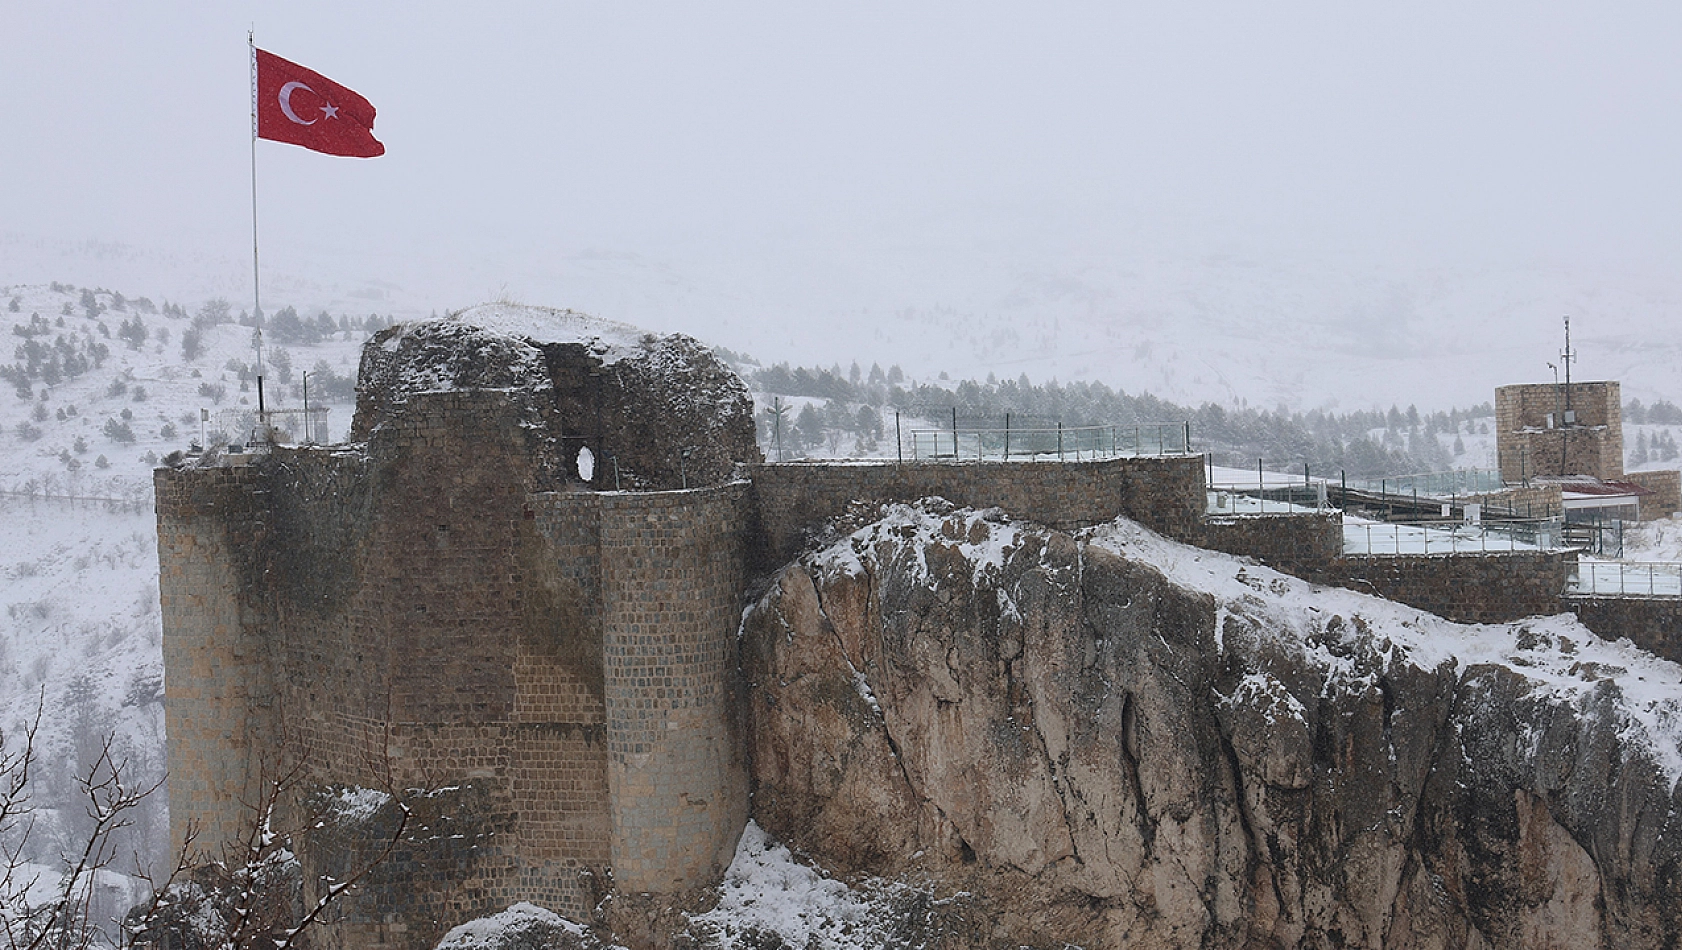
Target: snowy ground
{"x":1562,"y":658}
{"x":1654,"y":540}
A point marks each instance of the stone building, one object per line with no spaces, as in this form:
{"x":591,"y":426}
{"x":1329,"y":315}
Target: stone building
{"x":1559,"y":430}
{"x":511,"y":605}
{"x":1560,"y":451}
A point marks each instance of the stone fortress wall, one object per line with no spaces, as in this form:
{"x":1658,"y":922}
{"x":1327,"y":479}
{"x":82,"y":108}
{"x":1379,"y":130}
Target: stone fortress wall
{"x":1165,"y":493}
{"x":560,"y":664}
{"x":557,"y":669}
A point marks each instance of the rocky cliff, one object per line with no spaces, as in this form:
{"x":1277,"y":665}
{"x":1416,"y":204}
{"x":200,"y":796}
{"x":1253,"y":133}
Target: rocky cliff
{"x":1112,"y":740}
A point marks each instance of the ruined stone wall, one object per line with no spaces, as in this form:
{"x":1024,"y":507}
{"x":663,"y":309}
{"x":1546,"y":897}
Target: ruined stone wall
{"x":673,"y":575}
{"x":470,"y":659}
{"x":1526,"y":445}
{"x":1165,"y":493}
{"x":219,"y":697}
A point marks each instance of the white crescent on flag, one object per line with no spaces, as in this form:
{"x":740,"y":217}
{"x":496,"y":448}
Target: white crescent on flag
{"x":286,"y":92}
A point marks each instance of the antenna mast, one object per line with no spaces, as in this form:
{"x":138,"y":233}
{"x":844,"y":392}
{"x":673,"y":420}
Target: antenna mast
{"x":1566,"y":356}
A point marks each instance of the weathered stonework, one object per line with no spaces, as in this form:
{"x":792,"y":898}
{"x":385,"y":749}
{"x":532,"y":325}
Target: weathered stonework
{"x":1165,"y":493}
{"x":1472,"y":588}
{"x":444,"y":615}
{"x":1652,"y":623}
{"x":1300,"y":544}
{"x":1666,"y":488}
{"x":454,"y":613}
{"x":1532,"y":436}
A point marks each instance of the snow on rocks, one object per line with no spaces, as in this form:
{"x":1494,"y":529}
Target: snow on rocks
{"x":767,"y":891}
{"x":522,"y":926}
{"x":1560,"y":658}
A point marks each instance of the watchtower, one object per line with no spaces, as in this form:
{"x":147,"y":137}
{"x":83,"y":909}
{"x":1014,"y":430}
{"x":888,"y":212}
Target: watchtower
{"x":1559,"y":429}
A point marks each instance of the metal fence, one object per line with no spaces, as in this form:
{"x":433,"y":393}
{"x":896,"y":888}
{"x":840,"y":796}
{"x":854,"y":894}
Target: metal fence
{"x":1062,"y":443}
{"x":1229,"y":499}
{"x":1466,"y":481}
{"x":1396,"y":539}
{"x":1625,"y":579}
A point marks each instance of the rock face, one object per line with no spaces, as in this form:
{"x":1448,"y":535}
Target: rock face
{"x":1112,"y":740}
{"x":653,"y":412}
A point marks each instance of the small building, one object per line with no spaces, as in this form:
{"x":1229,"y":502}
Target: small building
{"x":1559,"y":429}
{"x":1560,"y":451}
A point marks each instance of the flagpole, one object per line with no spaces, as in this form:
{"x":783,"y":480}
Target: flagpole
{"x":256,"y":283}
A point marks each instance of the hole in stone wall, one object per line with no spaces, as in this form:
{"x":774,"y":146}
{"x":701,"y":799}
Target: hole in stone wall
{"x":586,"y":464}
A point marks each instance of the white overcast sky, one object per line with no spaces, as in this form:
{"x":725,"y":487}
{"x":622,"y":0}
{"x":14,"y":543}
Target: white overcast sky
{"x":796,"y":135}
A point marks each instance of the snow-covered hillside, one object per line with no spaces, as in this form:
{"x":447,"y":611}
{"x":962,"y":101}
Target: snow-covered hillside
{"x":98,"y":388}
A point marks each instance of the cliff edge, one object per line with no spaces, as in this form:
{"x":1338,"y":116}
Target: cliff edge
{"x":1112,"y":740}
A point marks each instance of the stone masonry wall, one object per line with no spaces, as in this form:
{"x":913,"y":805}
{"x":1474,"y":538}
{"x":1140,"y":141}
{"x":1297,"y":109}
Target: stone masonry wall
{"x":218,"y":697}
{"x":1540,"y":500}
{"x":411,"y":616}
{"x":1526,"y":445}
{"x":1666,"y":497}
{"x":1469,"y":588}
{"x":673,"y":575}
{"x":1301,"y":544}
{"x":1165,"y":493}
{"x":1652,"y":623}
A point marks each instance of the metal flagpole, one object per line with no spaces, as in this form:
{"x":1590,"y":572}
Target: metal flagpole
{"x":256,"y":285}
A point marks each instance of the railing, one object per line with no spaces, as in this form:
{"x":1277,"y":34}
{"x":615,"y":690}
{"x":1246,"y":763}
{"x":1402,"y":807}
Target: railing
{"x":1063,"y":443}
{"x":1284,"y":500}
{"x":1467,"y":481}
{"x":1625,"y":579}
{"x":1392,"y":540}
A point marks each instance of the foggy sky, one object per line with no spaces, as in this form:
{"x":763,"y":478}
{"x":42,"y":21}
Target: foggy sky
{"x":863,"y":149}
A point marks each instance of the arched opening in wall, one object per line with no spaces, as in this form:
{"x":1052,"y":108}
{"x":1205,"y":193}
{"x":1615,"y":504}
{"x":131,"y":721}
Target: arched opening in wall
{"x":586,"y":464}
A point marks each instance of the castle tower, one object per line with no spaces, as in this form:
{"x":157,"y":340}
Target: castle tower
{"x":460,"y":613}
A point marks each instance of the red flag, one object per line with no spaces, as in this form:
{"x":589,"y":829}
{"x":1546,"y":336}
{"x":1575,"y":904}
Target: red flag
{"x":302,"y":107}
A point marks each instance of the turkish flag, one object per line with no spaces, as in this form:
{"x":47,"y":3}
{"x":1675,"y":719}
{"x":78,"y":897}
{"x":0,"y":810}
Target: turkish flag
{"x":302,"y":107}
